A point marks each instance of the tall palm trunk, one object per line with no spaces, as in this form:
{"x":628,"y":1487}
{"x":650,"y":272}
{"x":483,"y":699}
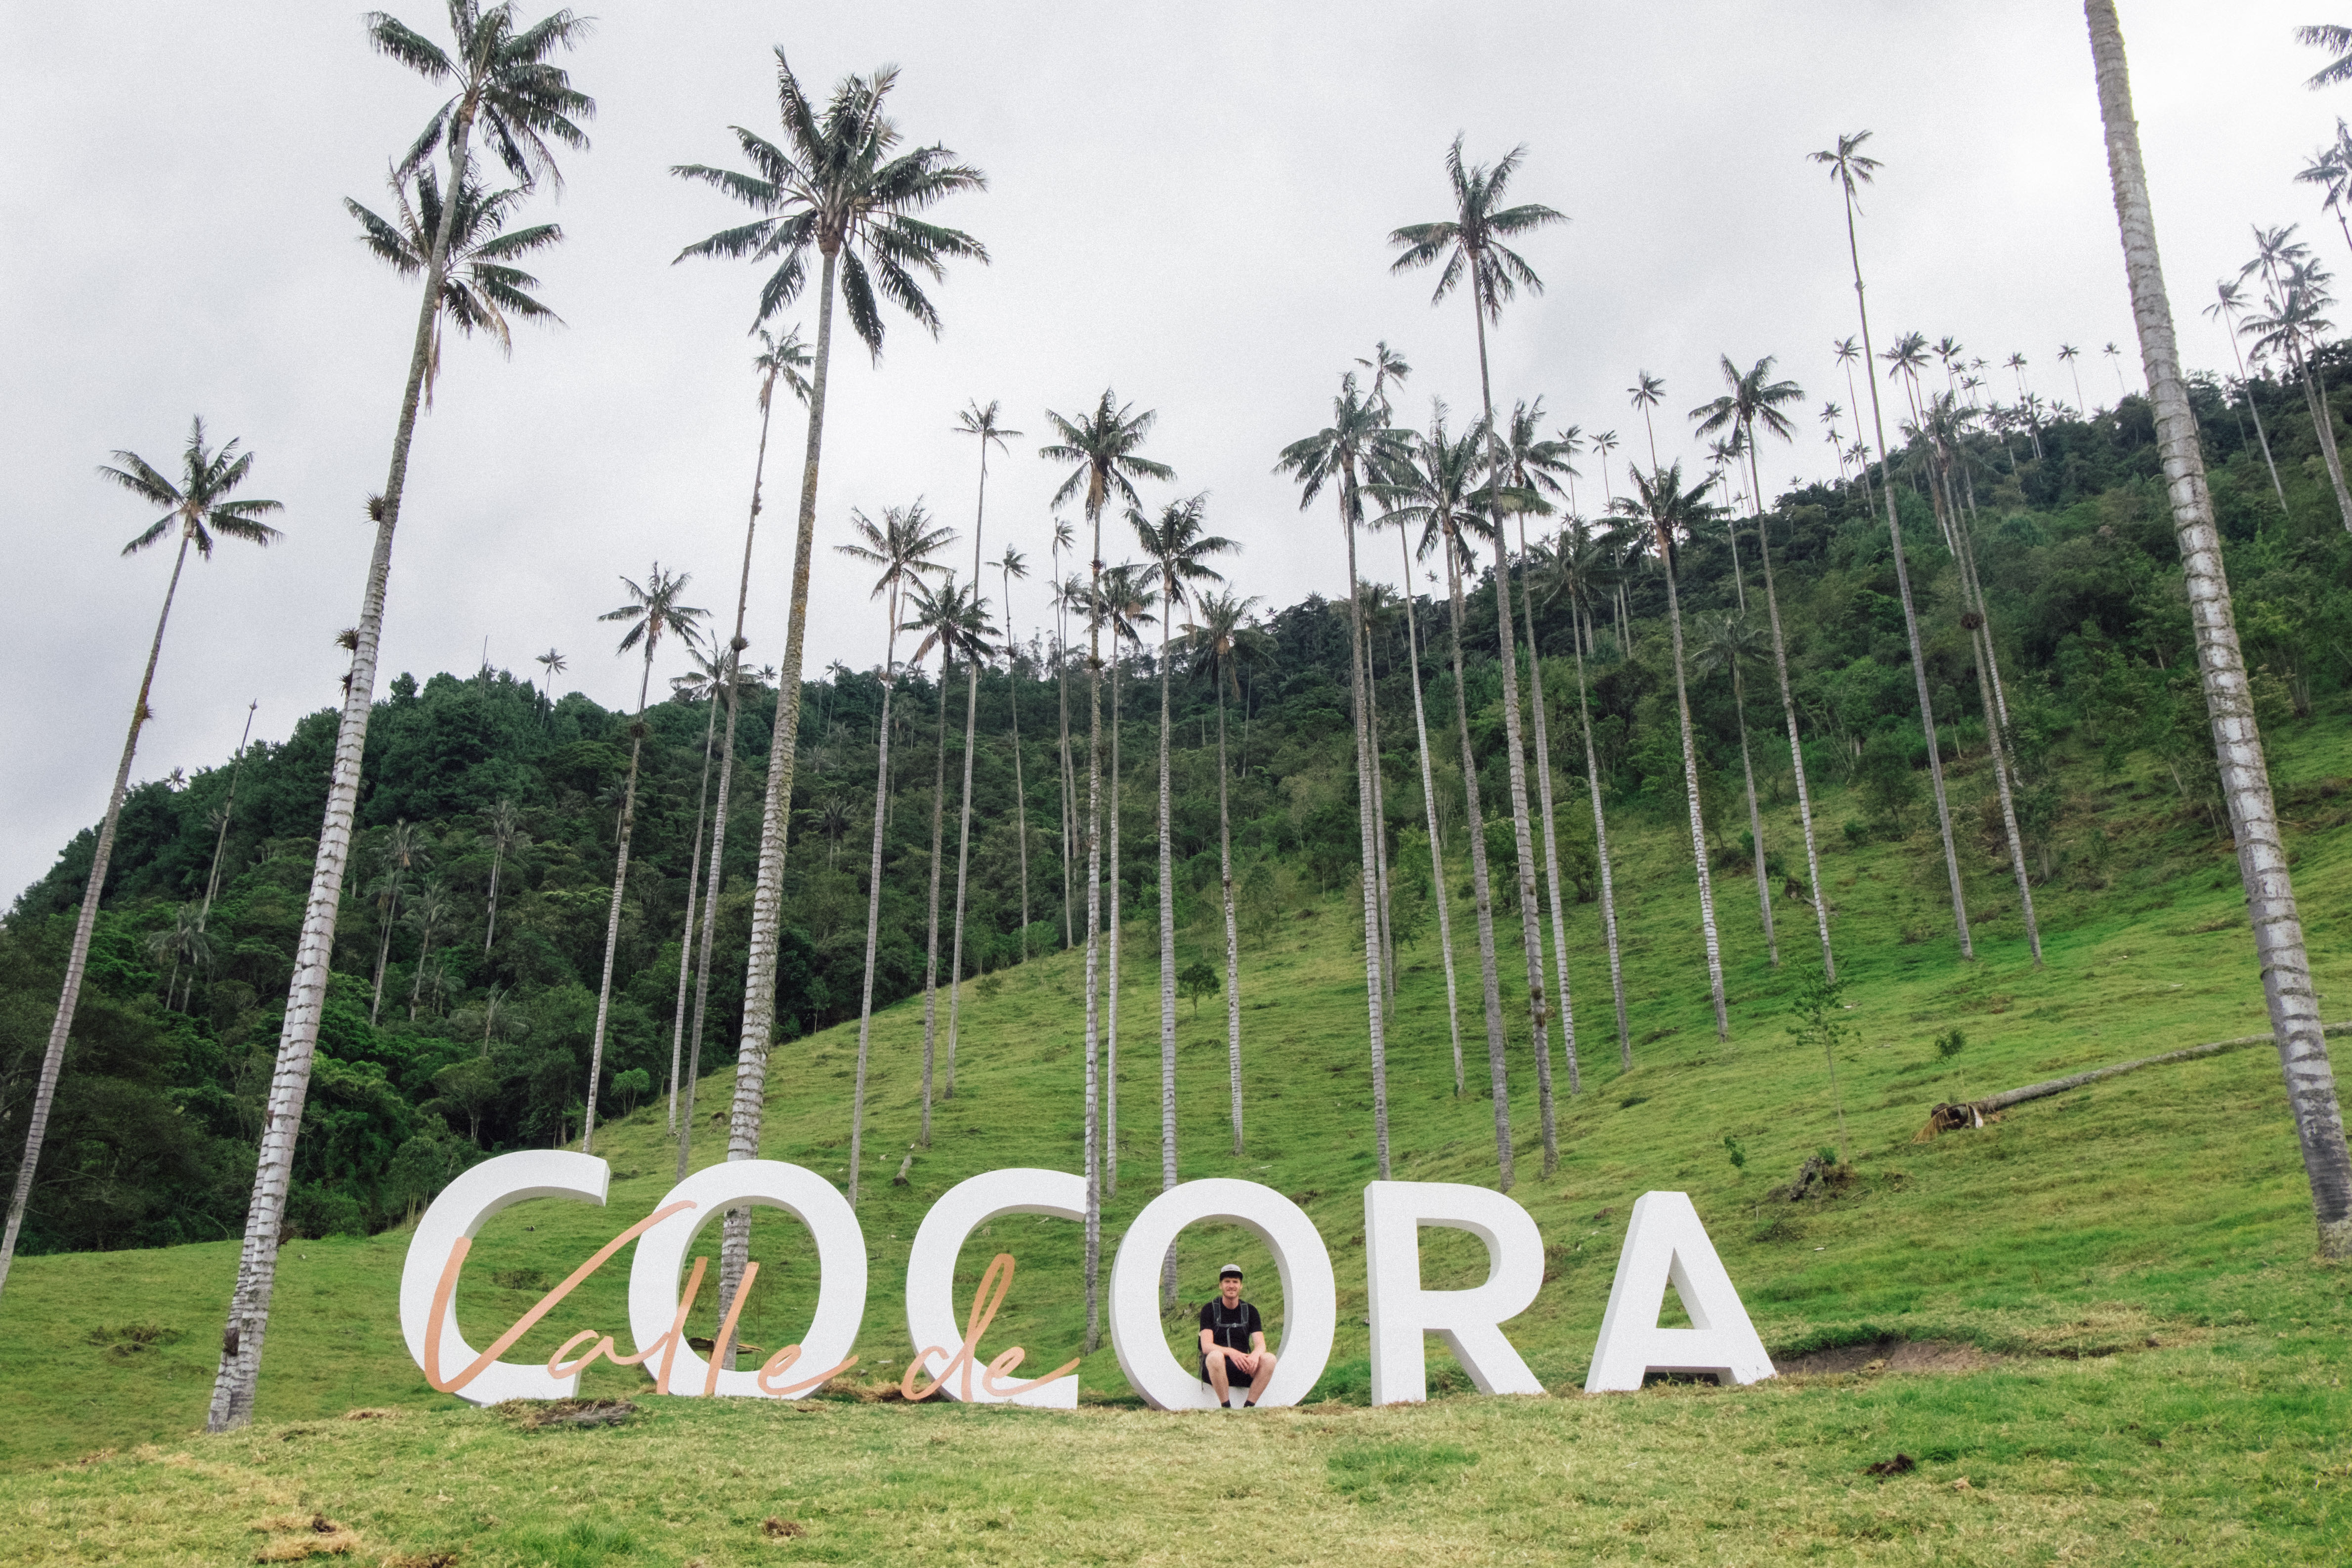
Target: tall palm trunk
{"x":1481,"y":888}
{"x":744,"y":1117}
{"x":394,"y":879}
{"x":297,"y":1044}
{"x":1380,"y":834}
{"x":1755,"y":818}
{"x":1020,"y":788}
{"x":77,"y":955}
{"x":2237,"y":744}
{"x":873,"y":906}
{"x":932,"y":953}
{"x":1428,"y":803}
{"x":612,"y":915}
{"x":1116,"y":971}
{"x":2255,"y":408}
{"x":2323,"y":424}
{"x":1789,"y":714}
{"x":1523,"y":838}
{"x":1551,"y":836}
{"x":489,"y":935}
{"x":693,"y":910}
{"x":1167,"y":906}
{"x":1600,"y":846}
{"x":1698,"y":822}
{"x":1232,"y":931}
{"x":1368,"y":826}
{"x":1996,"y":716}
{"x":1093,"y":1152}
{"x":716,"y":877}
{"x":228,"y":807}
{"x":1910,"y":614}
{"x":963,"y":810}
{"x":1069,"y":786}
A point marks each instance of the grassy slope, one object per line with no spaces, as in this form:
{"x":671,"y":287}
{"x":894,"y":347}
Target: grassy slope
{"x":2162,"y":1214}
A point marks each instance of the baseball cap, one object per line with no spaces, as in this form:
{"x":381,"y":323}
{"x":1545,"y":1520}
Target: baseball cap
{"x":1230,"y":1271}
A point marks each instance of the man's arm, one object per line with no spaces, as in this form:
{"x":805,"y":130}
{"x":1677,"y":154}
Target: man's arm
{"x":1257,"y":1333}
{"x":1209,"y":1341}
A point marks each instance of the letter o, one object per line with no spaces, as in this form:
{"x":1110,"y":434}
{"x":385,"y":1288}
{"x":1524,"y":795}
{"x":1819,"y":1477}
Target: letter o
{"x":930,"y":1272}
{"x":1310,"y":1297}
{"x":761,"y":1183}
{"x":465,"y":1206}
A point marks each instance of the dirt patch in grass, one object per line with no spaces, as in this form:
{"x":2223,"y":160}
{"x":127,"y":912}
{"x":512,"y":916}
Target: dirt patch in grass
{"x":1887,"y":1355}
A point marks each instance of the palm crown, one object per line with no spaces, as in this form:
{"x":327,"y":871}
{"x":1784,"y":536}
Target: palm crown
{"x":654,"y":610}
{"x":1436,"y":487}
{"x":1220,"y":639}
{"x":902,"y":544}
{"x":1660,"y":503}
{"x":1470,"y":242}
{"x":953,"y":617}
{"x":505,"y":85}
{"x":1356,"y":446}
{"x":481,"y":287}
{"x":1178,"y":548}
{"x":1103,"y":444}
{"x":1754,"y":400}
{"x":840,"y":187}
{"x":198,"y":505}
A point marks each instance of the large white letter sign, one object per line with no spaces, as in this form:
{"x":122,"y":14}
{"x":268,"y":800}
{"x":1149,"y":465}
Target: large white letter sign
{"x":655,"y":1310}
{"x":429,"y":1281}
{"x":930,"y":1284}
{"x":1666,"y":1242}
{"x":1468,"y":1321}
{"x":1310,"y":1297}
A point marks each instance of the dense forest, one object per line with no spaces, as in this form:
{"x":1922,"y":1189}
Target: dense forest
{"x":470,"y":949}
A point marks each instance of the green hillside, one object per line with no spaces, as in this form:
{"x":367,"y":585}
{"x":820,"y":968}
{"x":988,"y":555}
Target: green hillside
{"x":2167,"y":1363}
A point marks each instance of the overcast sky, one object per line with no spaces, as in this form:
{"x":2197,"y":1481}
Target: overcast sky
{"x":1189,"y":205}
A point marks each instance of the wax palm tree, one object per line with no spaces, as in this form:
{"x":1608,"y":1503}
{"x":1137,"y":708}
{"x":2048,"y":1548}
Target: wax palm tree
{"x":1537,"y":466}
{"x":225,"y":810}
{"x":836,"y":187}
{"x":1436,"y":490}
{"x":481,"y":288}
{"x":1852,"y":169}
{"x":1644,"y":393}
{"x":429,"y":917}
{"x":1104,"y":447}
{"x":1471,"y":245}
{"x":2292,"y":324}
{"x":405,"y":854}
{"x":555,"y":664}
{"x":1753,"y":401}
{"x":1176,"y":550}
{"x":1729,"y":645}
{"x":779,"y":359}
{"x":706,"y":681}
{"x":504,"y":825}
{"x":2229,"y":302}
{"x":2067,"y":354}
{"x":186,"y":944}
{"x":1355,"y":447}
{"x":1013,"y":564}
{"x":902,"y":547}
{"x":2245,"y":782}
{"x":652,"y":610}
{"x":953,"y":619}
{"x":983,"y":426}
{"x":1584,"y":563}
{"x":504,"y":87}
{"x":1660,"y":503}
{"x":1220,"y":640}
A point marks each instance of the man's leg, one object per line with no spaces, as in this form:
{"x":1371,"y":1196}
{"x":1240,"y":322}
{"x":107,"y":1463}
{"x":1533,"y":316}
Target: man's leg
{"x":1265,"y":1376}
{"x":1217,"y":1380}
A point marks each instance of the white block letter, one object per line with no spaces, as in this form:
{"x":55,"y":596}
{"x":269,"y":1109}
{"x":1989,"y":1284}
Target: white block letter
{"x":1310,"y":1297}
{"x":930,"y":1276}
{"x":763,"y":1184}
{"x":1468,"y":1321}
{"x":456,"y":1217}
{"x":1666,"y":1242}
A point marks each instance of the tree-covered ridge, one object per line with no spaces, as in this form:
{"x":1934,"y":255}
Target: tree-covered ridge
{"x":158,"y":1108}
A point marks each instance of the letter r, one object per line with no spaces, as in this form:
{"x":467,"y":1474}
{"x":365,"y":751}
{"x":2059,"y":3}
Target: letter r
{"x":1468,"y":1321}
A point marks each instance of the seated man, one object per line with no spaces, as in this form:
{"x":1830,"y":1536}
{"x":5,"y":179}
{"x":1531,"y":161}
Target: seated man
{"x":1232,"y":1341}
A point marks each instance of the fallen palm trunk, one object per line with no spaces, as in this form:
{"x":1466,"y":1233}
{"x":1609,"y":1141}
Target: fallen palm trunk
{"x":1977,"y":1112}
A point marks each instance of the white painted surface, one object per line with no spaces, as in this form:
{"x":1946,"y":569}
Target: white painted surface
{"x":1467,"y":1321}
{"x":1665,"y":1243}
{"x":931,"y":1316}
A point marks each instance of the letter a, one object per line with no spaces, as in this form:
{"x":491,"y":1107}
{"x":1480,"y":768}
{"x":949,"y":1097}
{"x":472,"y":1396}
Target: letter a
{"x":1667,"y":1242}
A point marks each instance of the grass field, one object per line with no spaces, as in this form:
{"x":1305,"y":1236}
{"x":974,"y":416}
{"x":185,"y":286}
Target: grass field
{"x":2133,"y":1356}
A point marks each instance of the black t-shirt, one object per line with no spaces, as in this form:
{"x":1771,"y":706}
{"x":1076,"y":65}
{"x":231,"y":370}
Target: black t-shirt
{"x":1231,"y":1326}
